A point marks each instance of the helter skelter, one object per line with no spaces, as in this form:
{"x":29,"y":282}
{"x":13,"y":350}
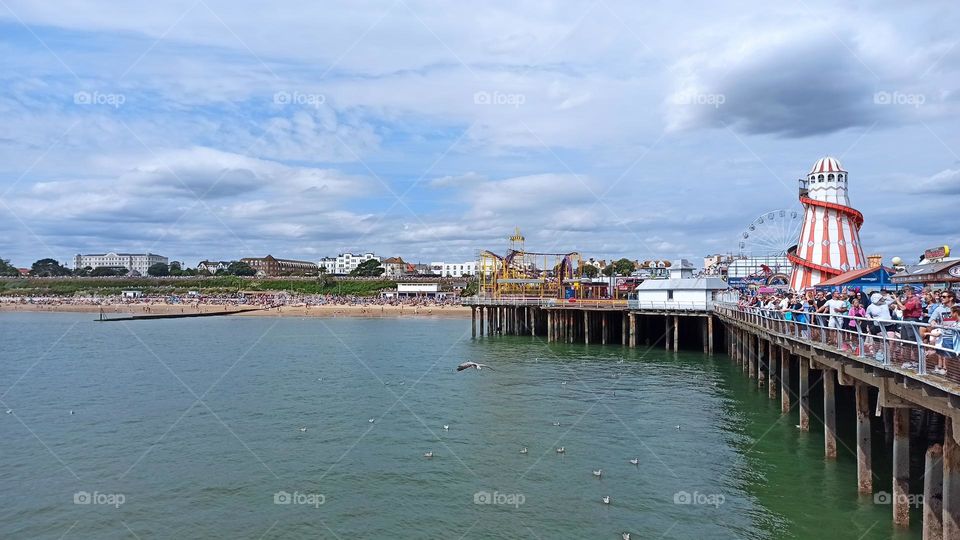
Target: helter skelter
{"x":829,"y":242}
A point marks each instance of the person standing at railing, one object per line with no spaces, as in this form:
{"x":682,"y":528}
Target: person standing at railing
{"x":912,"y":311}
{"x":835,"y":307}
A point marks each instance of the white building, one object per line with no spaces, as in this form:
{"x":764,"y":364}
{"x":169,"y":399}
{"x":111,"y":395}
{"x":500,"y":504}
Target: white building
{"x":681,"y":291}
{"x":454,"y":269}
{"x":328,"y":265}
{"x":394,"y":267}
{"x":345,"y":262}
{"x":134,"y":262}
{"x":212,"y":266}
{"x":414,"y":290}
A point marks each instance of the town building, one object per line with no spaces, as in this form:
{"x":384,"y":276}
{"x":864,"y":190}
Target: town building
{"x":271,"y":266}
{"x":212,"y":266}
{"x":328,"y":265}
{"x":135,"y":263}
{"x":395,"y":267}
{"x":348,"y":262}
{"x":443,"y":269}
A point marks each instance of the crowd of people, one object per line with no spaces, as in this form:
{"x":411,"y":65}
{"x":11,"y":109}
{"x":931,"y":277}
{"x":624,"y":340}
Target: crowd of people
{"x":928,"y":316}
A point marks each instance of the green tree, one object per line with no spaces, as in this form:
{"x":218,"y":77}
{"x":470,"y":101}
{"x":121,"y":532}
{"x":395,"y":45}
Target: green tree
{"x":7,"y":269}
{"x":83,"y":272}
{"x":176,"y":269}
{"x":159,"y":270}
{"x":607,"y":270}
{"x":590,"y":271}
{"x":238,"y":268}
{"x":368,"y":268}
{"x":472,"y":288}
{"x":48,"y":268}
{"x":107,"y":271}
{"x":624,"y":267}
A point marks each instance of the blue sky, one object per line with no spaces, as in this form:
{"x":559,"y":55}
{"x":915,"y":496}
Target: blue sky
{"x":207,"y":129}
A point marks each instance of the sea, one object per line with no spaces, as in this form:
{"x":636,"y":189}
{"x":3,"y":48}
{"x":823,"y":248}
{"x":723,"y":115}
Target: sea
{"x":275,"y":427}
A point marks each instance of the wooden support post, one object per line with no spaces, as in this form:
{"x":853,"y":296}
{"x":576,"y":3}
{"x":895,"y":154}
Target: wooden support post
{"x":804,"y":394}
{"x":951,"y":481}
{"x":710,"y":335}
{"x":703,"y":333}
{"x":829,"y":414}
{"x":666,"y":333}
{"x":676,"y":333}
{"x":864,"y":460}
{"x":753,"y":349}
{"x":623,"y":328}
{"x":586,"y":327}
{"x":772,"y":371}
{"x":762,"y":368}
{"x":604,"y":330}
{"x":933,"y":494}
{"x":549,"y":326}
{"x":473,"y":321}
{"x":784,"y":381}
{"x":632,"y":323}
{"x":901,"y":467}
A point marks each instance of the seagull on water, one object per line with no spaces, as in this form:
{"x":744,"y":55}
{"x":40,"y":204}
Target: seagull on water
{"x":446,"y":427}
{"x":605,"y":499}
{"x":9,"y":411}
{"x":476,"y":365}
{"x":564,"y":382}
{"x":557,"y":423}
{"x":625,"y":536}
{"x":635,"y":461}
{"x":561,"y":450}
{"x":370,"y":420}
{"x":303,"y":429}
{"x":598,"y":473}
{"x":523,"y":450}
{"x":678,"y":427}
{"x":428,"y":454}
{"x":71,"y":411}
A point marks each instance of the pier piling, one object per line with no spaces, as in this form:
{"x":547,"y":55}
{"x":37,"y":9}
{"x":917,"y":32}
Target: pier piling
{"x":933,"y":494}
{"x":784,"y":381}
{"x":951,"y":481}
{"x":901,"y":467}
{"x":829,"y":414}
{"x":864,"y":459}
{"x":804,"y":394}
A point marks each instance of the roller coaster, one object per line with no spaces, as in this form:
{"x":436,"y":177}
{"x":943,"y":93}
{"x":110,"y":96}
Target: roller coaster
{"x":521,"y":273}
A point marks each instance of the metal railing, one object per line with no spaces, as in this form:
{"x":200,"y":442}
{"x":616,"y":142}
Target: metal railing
{"x":908,"y":345}
{"x":598,"y":303}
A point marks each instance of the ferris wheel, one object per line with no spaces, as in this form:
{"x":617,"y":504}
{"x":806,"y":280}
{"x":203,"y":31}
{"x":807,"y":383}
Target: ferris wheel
{"x":772,"y":233}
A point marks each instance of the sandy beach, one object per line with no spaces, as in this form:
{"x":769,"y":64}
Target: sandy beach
{"x":332,"y":310}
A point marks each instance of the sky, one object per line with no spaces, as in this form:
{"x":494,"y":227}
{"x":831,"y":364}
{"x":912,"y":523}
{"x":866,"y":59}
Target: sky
{"x":207,"y":129}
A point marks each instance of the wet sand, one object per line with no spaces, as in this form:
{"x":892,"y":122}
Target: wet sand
{"x":283,"y":311}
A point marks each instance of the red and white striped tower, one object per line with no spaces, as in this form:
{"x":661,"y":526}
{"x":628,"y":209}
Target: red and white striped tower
{"x":829,"y":242}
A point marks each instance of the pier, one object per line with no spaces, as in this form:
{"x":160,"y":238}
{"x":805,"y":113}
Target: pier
{"x":875,"y":380}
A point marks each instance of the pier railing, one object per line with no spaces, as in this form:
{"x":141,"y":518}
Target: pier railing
{"x":640,"y":305}
{"x":910,"y":346}
{"x":597,"y":303}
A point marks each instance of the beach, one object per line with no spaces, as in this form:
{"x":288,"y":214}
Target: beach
{"x":327,"y":310}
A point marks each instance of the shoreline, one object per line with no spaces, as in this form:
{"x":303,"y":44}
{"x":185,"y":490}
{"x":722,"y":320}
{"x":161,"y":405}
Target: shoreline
{"x":371,"y":311}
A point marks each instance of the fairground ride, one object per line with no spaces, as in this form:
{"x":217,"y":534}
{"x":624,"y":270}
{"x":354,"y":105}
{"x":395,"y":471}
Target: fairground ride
{"x":528,"y":274}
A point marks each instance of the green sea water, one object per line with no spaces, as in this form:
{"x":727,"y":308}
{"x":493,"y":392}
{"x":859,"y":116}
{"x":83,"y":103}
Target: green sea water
{"x":194,"y":429}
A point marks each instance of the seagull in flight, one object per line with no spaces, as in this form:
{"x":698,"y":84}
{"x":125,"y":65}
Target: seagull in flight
{"x":625,"y":536}
{"x":475,"y":365}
